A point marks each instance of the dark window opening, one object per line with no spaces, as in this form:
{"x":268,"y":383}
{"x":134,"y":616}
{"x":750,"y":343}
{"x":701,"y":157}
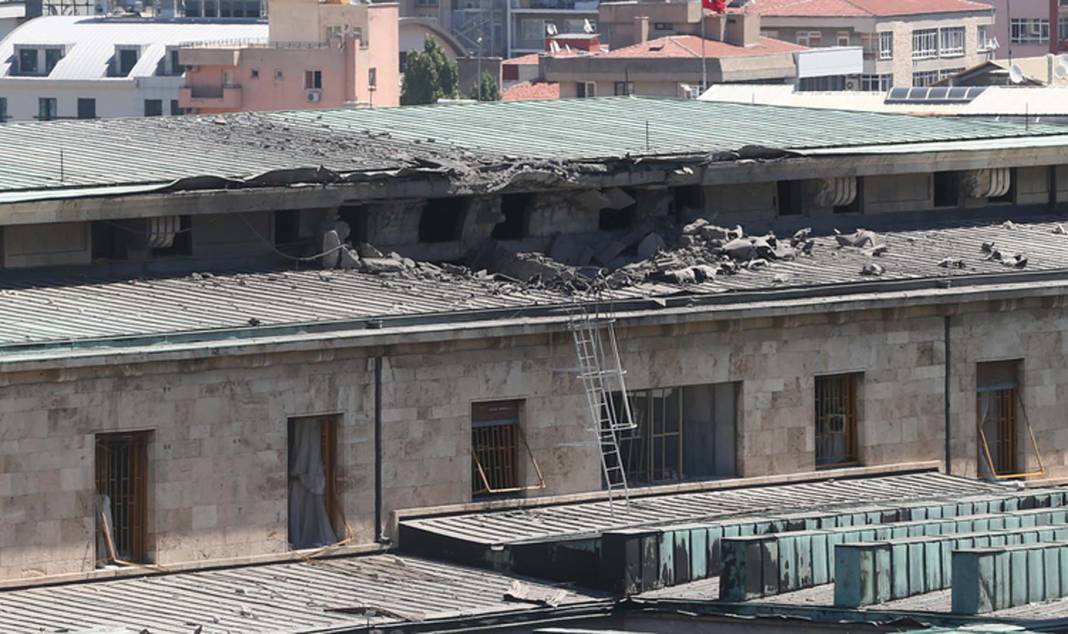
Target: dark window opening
{"x":315,"y":518}
{"x":287,"y":227}
{"x":111,"y":239}
{"x":856,"y":205}
{"x":86,"y":108}
{"x":175,"y":108}
{"x":356,"y":217}
{"x":1010,"y":195}
{"x":52,"y":57}
{"x":47,"y":108}
{"x":442,"y":220}
{"x":176,"y":68}
{"x":610,"y":219}
{"x":173,"y":240}
{"x":122,"y":496}
{"x":153,"y":107}
{"x":946,"y":189}
{"x":790,"y":198}
{"x":681,"y":433}
{"x":836,"y":419}
{"x":495,"y":447}
{"x":515,"y":226}
{"x":127,"y":61}
{"x":998,"y":398}
{"x":27,"y":61}
{"x":689,"y":198}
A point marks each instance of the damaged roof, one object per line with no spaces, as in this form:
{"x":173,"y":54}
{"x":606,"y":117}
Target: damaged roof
{"x":88,"y":310}
{"x":317,"y":595}
{"x":469,"y":141}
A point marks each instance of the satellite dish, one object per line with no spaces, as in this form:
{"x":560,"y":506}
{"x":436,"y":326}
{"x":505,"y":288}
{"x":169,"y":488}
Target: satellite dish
{"x":1016,"y":75}
{"x":1061,"y":70}
{"x":587,"y":26}
{"x":550,"y":29}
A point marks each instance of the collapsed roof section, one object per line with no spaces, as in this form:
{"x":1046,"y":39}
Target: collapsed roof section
{"x":467,"y":148}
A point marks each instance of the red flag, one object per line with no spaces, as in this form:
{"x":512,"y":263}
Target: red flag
{"x":718,"y":6}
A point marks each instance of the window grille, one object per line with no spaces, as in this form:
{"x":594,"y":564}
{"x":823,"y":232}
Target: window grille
{"x":836,"y":419}
{"x":122,"y":484}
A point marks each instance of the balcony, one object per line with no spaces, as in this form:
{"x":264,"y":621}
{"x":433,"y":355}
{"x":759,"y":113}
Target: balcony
{"x":214,"y":97}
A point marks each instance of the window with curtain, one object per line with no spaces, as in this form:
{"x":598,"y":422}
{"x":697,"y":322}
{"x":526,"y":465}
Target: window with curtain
{"x":314,"y":513}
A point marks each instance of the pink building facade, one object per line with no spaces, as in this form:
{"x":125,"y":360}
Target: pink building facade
{"x":318,"y":55}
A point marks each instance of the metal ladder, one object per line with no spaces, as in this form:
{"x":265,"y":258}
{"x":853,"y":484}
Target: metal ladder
{"x":601,"y":373}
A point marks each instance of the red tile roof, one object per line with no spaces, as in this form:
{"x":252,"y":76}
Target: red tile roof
{"x":690,"y":46}
{"x":531,"y":91}
{"x":530,"y":59}
{"x":862,"y":8}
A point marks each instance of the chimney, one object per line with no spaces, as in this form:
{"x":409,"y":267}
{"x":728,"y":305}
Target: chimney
{"x":741,"y":29}
{"x":641,"y":29}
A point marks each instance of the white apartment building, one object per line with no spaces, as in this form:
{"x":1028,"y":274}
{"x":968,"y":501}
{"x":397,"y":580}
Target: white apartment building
{"x":78,"y":67}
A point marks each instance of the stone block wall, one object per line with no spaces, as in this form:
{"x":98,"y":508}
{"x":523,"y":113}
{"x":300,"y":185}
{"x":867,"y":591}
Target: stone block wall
{"x":218,"y":449}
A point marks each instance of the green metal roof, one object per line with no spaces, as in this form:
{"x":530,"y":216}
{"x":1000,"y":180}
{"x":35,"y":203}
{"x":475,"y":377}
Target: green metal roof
{"x":38,"y":157}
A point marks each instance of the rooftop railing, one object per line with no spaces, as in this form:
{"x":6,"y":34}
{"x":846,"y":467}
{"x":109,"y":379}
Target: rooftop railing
{"x":253,"y":43}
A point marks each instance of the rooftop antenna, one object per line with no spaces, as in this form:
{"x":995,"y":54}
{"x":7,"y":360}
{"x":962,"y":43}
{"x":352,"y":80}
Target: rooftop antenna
{"x":1016,"y":75}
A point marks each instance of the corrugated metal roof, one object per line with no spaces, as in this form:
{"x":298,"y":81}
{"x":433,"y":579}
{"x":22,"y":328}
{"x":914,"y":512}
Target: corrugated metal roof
{"x":47,"y":308}
{"x":314,"y":596}
{"x":90,"y":43}
{"x":592,"y":518}
{"x":160,"y":150}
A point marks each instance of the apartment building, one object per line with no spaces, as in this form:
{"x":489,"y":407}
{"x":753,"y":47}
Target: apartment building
{"x":316,"y":55}
{"x":82,"y":67}
{"x":214,"y":353}
{"x":906,"y":43}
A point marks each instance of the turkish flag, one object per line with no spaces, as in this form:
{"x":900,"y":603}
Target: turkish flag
{"x":719,"y":6}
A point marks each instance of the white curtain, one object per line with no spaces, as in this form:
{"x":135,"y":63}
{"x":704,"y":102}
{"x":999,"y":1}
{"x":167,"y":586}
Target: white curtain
{"x":309,"y":525}
{"x":986,"y":405}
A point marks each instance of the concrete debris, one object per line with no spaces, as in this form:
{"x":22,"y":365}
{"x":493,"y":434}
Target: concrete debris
{"x":872,"y":268}
{"x":365,"y":250}
{"x":526,"y":593}
{"x":952,"y":263}
{"x":1059,"y":229}
{"x":617,"y":198}
{"x":650,"y":246}
{"x":860,"y":238}
{"x":877,"y":250}
{"x":1008,"y":224}
{"x":1018,"y":261}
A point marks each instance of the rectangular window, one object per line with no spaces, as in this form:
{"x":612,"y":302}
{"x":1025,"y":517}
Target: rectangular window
{"x":495,"y":439}
{"x":584,"y":89}
{"x":876,"y":83}
{"x":842,"y":39}
{"x":1062,"y":32}
{"x":836,"y":419}
{"x":46,"y":108}
{"x":170,"y":236}
{"x":127,"y":61}
{"x":924,"y":43}
{"x":315,"y":517}
{"x":3,"y":109}
{"x":176,"y":67}
{"x":372,"y":78}
{"x":313,"y":79}
{"x":27,"y":61}
{"x":946,"y":189}
{"x":664,"y":26}
{"x":789,"y":198}
{"x":153,"y":107}
{"x":951,"y":41}
{"x":998,"y":397}
{"x":1029,"y":30}
{"x":924,"y":78}
{"x":809,"y":38}
{"x":86,"y":108}
{"x":886,"y":45}
{"x":175,"y":108}
{"x":122,"y":496}
{"x":52,"y":57}
{"x":682,"y":433}
{"x":623,"y":88}
{"x":983,"y":38}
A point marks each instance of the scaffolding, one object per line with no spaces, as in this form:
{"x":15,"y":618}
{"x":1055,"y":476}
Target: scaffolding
{"x":602,"y":376}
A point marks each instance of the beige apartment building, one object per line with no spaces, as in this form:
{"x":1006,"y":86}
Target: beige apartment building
{"x":912,"y":43}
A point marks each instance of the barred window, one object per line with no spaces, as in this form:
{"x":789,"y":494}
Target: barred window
{"x":951,"y":41}
{"x":836,"y":419}
{"x":122,"y":496}
{"x":1029,"y":31}
{"x":924,"y":43}
{"x":495,"y":447}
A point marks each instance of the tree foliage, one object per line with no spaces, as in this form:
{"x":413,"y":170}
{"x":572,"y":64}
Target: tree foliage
{"x":486,"y":89}
{"x":429,"y":75}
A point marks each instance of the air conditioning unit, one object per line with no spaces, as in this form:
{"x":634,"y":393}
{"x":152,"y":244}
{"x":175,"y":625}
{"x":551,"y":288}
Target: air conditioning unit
{"x":314,"y":96}
{"x":851,"y":84}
